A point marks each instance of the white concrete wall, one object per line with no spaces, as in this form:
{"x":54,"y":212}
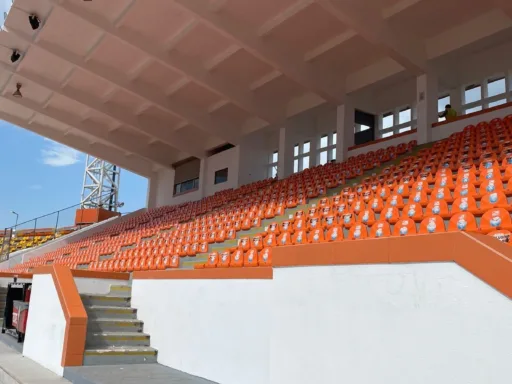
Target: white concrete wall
{"x":255,"y":152}
{"x":97,"y":286}
{"x":44,"y":340}
{"x":383,"y":144}
{"x":218,"y":329}
{"x":400,"y":324}
{"x":229,"y":159}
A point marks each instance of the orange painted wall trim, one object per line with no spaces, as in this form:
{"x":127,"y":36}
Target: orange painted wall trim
{"x":485,"y":257}
{"x":18,"y":275}
{"x":477,"y":113}
{"x":84,"y":273}
{"x":74,"y":313}
{"x":382,"y":140}
{"x":207,"y":273}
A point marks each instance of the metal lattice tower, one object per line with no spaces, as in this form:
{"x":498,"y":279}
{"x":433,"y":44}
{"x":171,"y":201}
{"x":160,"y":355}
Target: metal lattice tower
{"x":101,"y":184}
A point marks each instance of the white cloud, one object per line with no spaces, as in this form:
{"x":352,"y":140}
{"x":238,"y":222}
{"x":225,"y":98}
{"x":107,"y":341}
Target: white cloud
{"x":36,"y":187}
{"x":58,"y":155}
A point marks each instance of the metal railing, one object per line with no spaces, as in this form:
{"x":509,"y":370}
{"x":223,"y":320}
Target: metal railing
{"x":39,"y":230}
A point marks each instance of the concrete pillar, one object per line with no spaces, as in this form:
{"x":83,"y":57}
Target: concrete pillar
{"x":285,"y":159}
{"x":345,"y":120}
{"x":202,"y":177}
{"x":456,"y":99}
{"x":427,"y":96}
{"x":160,"y":188}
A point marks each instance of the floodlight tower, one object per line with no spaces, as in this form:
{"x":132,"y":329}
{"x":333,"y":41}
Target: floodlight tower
{"x":101,"y":184}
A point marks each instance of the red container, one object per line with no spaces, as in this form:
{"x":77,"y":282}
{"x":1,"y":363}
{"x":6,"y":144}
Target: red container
{"x":20,"y":315}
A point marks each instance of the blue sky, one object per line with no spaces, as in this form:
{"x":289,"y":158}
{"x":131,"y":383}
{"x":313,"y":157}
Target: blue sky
{"x":40,"y":176}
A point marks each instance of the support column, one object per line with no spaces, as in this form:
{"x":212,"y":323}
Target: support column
{"x":160,"y":188}
{"x":456,"y":100}
{"x":202,"y":177}
{"x":345,"y":121}
{"x":285,"y":157}
{"x":427,"y":95}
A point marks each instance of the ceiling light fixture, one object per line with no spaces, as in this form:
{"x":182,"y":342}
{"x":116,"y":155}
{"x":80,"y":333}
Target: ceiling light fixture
{"x":34,"y":21}
{"x":15,"y":56}
{"x":17,"y":93}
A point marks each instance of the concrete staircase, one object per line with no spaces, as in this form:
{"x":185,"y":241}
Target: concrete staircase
{"x":114,"y":334}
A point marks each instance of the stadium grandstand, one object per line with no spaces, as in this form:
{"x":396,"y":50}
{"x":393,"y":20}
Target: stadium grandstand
{"x":329,"y":192}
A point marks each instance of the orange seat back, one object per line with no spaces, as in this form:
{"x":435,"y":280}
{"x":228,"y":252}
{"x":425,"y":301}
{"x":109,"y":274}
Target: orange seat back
{"x":493,"y":200}
{"x":380,"y":229}
{"x":299,"y":237}
{"x":316,"y":236}
{"x":335,"y":233}
{"x":412,"y":211}
{"x":213,"y":258}
{"x":464,"y":190}
{"x":395,"y":201}
{"x":330,"y":220}
{"x":358,"y":232}
{"x":314,"y":223}
{"x":348,"y":220}
{"x":432,"y":224}
{"x":237,"y":258}
{"x":390,"y":214}
{"x":501,"y":235}
{"x":284,"y":238}
{"x":495,"y":219}
{"x":462,"y":221}
{"x":404,"y":227}
{"x":224,"y":260}
{"x":376,"y":204}
{"x":265,"y":257}
{"x":270,"y":240}
{"x":251,"y":258}
{"x":244,"y":243}
{"x":366,"y":217}
{"x":257,"y":242}
{"x":464,"y":204}
{"x":490,"y":186}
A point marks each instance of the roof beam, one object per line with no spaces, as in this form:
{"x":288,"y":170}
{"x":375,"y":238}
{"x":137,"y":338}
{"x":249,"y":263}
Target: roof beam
{"x":194,"y":116}
{"x":112,"y":155}
{"x":120,"y":115}
{"x":410,"y":53}
{"x":280,"y":18}
{"x":115,"y":138}
{"x":328,"y":85}
{"x":177,"y":62}
{"x":505,"y":6}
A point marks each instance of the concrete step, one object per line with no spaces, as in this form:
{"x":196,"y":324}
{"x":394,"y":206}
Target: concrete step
{"x":120,"y":355}
{"x":121,"y":290}
{"x":114,"y":325}
{"x":99,"y":311}
{"x":116,"y":339}
{"x":104,"y":300}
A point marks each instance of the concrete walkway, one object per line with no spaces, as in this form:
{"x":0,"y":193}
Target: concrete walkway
{"x":16,"y":369}
{"x":130,"y":374}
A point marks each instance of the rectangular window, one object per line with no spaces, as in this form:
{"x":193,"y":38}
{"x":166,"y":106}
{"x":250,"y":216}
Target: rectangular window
{"x":496,"y":87}
{"x":334,"y":138}
{"x":388,"y":120}
{"x":441,"y":105}
{"x":275,"y":157}
{"x":404,"y":116}
{"x":474,"y":109}
{"x":295,"y":165}
{"x":405,"y":129}
{"x":221,"y":176}
{"x":306,"y":147}
{"x":273,"y":173}
{"x":497,"y":102}
{"x":296,"y":150}
{"x":387,"y":134}
{"x":305,"y":162}
{"x":324,"y":141}
{"x":333,"y":154}
{"x":442,"y":102}
{"x":472,"y":93}
{"x":323,"y":157}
